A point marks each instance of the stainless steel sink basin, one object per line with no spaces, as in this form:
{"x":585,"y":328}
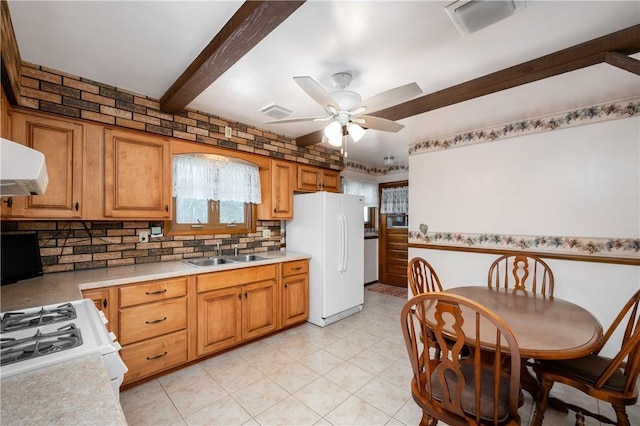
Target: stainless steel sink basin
{"x":247,"y":258}
{"x":210,"y":261}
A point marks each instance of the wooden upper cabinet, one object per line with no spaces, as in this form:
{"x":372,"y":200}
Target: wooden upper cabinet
{"x":277,"y":186}
{"x":137,"y":181}
{"x":314,"y":179}
{"x":62,"y":143}
{"x":5,"y":131}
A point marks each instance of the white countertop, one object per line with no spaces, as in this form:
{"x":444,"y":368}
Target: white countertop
{"x":63,"y":287}
{"x":68,"y":393}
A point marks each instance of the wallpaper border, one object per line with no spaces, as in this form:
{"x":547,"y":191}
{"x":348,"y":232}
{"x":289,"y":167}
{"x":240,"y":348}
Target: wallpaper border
{"x":626,"y":250}
{"x":592,"y":114}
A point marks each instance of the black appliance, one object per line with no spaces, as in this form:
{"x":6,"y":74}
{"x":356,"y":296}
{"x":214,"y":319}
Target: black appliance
{"x":20,"y":257}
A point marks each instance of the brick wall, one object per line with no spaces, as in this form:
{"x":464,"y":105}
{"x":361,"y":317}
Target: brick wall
{"x":64,"y":94}
{"x":68,"y":245}
{"x":75,"y":245}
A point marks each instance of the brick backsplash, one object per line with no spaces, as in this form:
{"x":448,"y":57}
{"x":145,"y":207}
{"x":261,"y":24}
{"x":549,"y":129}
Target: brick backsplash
{"x":60,"y":93}
{"x":69,"y":246}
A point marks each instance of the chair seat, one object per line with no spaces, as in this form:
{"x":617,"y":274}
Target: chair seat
{"x":586,"y":369}
{"x":468,"y":399}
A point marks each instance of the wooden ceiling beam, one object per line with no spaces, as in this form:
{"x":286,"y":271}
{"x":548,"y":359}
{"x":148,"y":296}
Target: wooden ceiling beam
{"x":623,"y":62}
{"x":252,"y":22}
{"x":623,"y":42}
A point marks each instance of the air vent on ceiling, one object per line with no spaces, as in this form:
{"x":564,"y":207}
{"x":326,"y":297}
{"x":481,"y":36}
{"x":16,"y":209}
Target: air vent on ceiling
{"x":472,"y":15}
{"x":275,"y":111}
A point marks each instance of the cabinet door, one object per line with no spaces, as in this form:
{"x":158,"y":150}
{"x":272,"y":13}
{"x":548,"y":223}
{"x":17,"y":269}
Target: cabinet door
{"x":137,"y":182}
{"x":295,"y":299}
{"x":100,"y":296}
{"x":282,"y":183}
{"x":61,"y":142}
{"x":219,"y":319}
{"x":309,"y":178}
{"x":259,"y":309}
{"x":330,"y":181}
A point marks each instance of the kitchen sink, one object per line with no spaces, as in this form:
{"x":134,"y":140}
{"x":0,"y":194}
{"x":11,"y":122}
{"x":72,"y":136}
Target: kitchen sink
{"x":210,"y":261}
{"x":247,"y":258}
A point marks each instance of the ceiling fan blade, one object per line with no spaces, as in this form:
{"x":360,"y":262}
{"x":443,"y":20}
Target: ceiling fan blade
{"x":318,"y":93}
{"x":377,"y":123}
{"x":390,"y":97}
{"x":298,"y":120}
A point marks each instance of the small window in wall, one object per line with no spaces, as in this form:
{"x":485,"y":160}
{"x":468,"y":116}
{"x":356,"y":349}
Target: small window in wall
{"x":214,"y":194}
{"x":369,"y":192}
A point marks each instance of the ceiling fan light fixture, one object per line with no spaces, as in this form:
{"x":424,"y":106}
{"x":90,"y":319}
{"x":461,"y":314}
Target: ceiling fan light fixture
{"x":355,"y":131}
{"x":333,"y":132}
{"x":388,"y":160}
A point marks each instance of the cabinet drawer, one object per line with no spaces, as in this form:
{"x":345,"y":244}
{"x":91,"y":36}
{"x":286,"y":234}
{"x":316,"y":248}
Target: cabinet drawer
{"x":146,"y":321}
{"x":151,"y":291}
{"x":154,"y":355}
{"x":295,"y":267}
{"x":218,"y":280}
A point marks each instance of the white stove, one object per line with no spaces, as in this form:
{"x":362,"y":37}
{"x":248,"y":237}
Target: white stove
{"x":40,"y":337}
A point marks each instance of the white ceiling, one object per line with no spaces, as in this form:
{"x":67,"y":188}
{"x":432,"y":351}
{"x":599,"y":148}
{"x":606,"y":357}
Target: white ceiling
{"x":144,"y":46}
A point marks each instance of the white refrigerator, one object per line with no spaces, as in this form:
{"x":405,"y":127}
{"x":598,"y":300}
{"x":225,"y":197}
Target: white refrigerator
{"x":330,"y":227}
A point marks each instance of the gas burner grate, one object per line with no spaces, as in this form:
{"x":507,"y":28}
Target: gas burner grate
{"x":14,"y":321}
{"x":40,"y":344}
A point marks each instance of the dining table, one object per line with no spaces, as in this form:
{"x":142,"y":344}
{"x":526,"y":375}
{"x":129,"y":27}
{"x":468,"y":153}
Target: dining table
{"x":545,"y":327}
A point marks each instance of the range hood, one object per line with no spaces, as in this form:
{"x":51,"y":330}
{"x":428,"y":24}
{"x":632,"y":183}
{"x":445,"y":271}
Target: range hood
{"x":23,"y":170}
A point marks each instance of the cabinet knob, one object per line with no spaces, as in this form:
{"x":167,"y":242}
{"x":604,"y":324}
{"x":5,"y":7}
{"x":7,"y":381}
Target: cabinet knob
{"x":166,"y":207}
{"x":104,"y":303}
{"x":245,"y":294}
{"x":8,"y":202}
{"x":77,"y":206}
{"x":286,"y":285}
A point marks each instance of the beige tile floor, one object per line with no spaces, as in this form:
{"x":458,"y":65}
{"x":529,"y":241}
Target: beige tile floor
{"x":353,"y":372}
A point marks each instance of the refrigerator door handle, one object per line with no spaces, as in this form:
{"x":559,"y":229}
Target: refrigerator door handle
{"x":341,"y":223}
{"x":345,"y":245}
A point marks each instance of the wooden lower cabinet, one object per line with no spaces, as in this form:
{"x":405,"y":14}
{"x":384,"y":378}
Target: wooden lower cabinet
{"x":154,"y":355}
{"x":219,"y":319}
{"x":295,"y":292}
{"x":235,"y":313}
{"x":162,"y":324}
{"x":151,"y":320}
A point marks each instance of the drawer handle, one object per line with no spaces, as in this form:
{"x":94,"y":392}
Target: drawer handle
{"x":150,"y":358}
{"x":156,"y":321}
{"x":296,"y":269}
{"x":153,"y":293}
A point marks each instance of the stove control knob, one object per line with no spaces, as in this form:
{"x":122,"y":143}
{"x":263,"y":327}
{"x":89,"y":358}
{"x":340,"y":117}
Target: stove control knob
{"x":112,"y":336}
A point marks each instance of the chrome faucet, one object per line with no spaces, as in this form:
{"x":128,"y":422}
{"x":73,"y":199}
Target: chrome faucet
{"x":219,"y":250}
{"x":235,"y":249}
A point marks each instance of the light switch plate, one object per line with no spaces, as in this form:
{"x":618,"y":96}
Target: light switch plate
{"x":227,"y":132}
{"x":143,"y":237}
{"x":266,"y":233}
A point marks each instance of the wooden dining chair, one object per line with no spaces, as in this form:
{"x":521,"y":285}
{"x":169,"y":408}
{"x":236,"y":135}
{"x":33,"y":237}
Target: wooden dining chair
{"x":602,"y":378}
{"x":521,"y":272}
{"x":447,"y":388}
{"x":422,"y":277}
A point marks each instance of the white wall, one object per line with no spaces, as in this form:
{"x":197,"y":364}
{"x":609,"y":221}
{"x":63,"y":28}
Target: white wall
{"x":582,"y":181}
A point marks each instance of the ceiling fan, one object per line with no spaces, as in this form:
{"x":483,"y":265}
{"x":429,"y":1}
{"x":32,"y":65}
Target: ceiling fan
{"x":346,"y":110}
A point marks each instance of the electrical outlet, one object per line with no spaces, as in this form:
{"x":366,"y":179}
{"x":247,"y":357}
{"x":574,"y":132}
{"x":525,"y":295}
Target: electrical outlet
{"x":143,"y":237}
{"x":227,"y":132}
{"x":266,"y":233}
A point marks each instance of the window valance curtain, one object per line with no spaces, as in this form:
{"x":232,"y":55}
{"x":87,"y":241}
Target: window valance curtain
{"x":395,"y":200}
{"x":368,"y":190}
{"x":213,"y":177}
